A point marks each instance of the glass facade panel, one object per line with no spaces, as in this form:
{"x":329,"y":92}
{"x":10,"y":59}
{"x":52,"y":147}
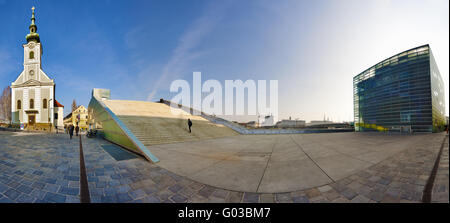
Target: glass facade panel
{"x":402,"y":93}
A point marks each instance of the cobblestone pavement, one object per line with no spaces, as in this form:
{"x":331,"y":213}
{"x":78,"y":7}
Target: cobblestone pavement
{"x":440,"y":188}
{"x":38,"y":168}
{"x":45,"y":168}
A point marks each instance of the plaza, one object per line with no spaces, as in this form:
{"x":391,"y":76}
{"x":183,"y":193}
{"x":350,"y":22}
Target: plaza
{"x":334,"y":167}
{"x":153,"y":149}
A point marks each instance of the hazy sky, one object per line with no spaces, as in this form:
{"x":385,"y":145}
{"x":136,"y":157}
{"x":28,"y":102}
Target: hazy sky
{"x":137,"y":48}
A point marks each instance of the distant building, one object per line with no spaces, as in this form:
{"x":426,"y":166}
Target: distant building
{"x":78,"y":117}
{"x":312,"y":123}
{"x":59,"y":115}
{"x":287,"y":123}
{"x":403,"y":93}
{"x":268,"y":121}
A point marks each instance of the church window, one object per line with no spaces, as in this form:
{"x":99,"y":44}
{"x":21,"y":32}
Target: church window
{"x":31,"y":72}
{"x":31,"y":54}
{"x":44,"y":103}
{"x":31,"y":103}
{"x":19,"y":104}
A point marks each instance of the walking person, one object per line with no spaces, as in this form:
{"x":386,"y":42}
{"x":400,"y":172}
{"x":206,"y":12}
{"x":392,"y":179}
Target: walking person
{"x":77,"y":129}
{"x":190,"y":125}
{"x":71,"y":131}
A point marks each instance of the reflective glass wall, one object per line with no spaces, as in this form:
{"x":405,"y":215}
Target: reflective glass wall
{"x":396,"y":94}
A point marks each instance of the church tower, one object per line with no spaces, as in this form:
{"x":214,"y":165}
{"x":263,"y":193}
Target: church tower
{"x":33,"y":92}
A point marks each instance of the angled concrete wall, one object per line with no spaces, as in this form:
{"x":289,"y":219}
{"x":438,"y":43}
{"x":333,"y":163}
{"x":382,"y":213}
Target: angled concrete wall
{"x":111,"y":127}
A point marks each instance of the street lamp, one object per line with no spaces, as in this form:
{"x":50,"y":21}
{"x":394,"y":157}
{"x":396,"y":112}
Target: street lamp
{"x":48,"y":108}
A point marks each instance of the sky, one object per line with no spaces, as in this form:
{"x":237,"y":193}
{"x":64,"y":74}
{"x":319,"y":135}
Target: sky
{"x":137,"y":48}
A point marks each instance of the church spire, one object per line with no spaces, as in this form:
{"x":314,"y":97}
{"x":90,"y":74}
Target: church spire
{"x":33,"y":35}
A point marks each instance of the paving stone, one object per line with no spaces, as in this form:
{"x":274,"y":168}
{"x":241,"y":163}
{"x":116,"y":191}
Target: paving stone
{"x":175,"y":188}
{"x":109,"y":199}
{"x":331,"y":195}
{"x":54,"y":198}
{"x":69,"y":191}
{"x":178,"y":198}
{"x":187,"y":191}
{"x":151,"y":199}
{"x":3,"y":187}
{"x":349,"y":194}
{"x":164,"y":195}
{"x":338,"y":187}
{"x":6,"y":200}
{"x":94,"y":192}
{"x":136,"y":194}
{"x":23,"y":198}
{"x":74,"y":199}
{"x":267,"y":198}
{"x":234,"y":197}
{"x":251,"y":197}
{"x":219,"y":193}
{"x":215,"y":200}
{"x":360,"y":199}
{"x":206,"y":191}
{"x":301,"y":199}
{"x":314,"y":192}
{"x":24,"y":189}
{"x":283,"y":198}
{"x":12,"y":194}
{"x":198,"y":199}
{"x":150,"y":190}
{"x":325,"y":188}
{"x":123,"y":189}
{"x":51,"y":187}
{"x":376,"y":196}
{"x":340,"y":200}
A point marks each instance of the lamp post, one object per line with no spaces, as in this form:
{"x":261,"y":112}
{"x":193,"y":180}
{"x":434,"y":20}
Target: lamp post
{"x":48,"y":108}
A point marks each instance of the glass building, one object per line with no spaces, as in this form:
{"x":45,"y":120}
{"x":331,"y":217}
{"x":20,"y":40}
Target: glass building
{"x":404,"y":93}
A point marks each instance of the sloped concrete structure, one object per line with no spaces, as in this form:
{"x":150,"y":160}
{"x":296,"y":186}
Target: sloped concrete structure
{"x":153,"y":123}
{"x":136,"y":125}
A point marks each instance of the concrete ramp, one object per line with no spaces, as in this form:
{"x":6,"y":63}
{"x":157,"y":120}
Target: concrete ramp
{"x":136,"y":125}
{"x":154,"y":123}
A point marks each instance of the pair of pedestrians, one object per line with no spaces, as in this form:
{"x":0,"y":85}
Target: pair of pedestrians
{"x":71,"y":129}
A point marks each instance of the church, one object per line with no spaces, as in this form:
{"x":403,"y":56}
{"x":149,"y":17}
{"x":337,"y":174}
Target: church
{"x":33,"y":103}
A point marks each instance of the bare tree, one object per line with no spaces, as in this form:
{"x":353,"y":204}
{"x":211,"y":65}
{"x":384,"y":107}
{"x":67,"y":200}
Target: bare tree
{"x":5,"y":104}
{"x":74,"y":105}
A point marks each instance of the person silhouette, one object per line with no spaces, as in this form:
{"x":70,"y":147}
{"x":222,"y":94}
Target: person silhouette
{"x":190,"y":125}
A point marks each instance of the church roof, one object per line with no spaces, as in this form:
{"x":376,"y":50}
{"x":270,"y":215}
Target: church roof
{"x":57,"y":104}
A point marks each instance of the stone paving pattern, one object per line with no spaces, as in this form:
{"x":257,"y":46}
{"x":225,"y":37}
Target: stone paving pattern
{"x":440,"y":193}
{"x":45,"y":168}
{"x":39,"y":168}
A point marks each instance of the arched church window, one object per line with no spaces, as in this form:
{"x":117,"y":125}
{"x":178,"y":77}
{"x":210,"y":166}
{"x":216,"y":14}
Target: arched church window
{"x":44,"y":103}
{"x":31,"y":103}
{"x":31,"y":54}
{"x":31,"y":72}
{"x":19,"y":104}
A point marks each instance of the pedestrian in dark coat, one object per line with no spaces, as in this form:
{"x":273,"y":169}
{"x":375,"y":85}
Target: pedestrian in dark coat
{"x":190,"y":125}
{"x":71,"y":131}
{"x":77,"y":129}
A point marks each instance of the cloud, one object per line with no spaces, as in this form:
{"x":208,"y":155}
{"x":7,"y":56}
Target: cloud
{"x":185,"y":51}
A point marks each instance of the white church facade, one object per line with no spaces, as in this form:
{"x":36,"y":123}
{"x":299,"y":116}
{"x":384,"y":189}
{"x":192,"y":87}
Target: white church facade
{"x":33,"y":103}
